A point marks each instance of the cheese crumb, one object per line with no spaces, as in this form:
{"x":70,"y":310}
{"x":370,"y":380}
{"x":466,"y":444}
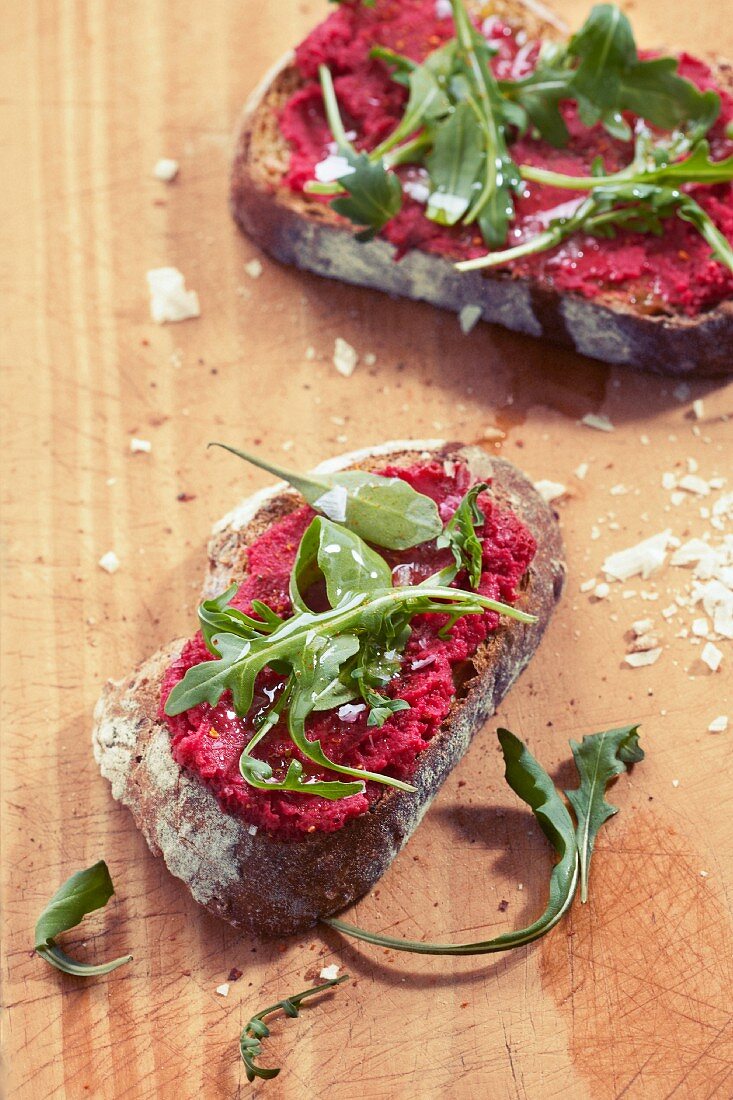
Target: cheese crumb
{"x":602,"y":591}
{"x":675,"y":782}
{"x":166,"y":169}
{"x":254,"y":268}
{"x":641,"y":660}
{"x":711,"y":656}
{"x":330,"y":973}
{"x":550,"y":490}
{"x":642,"y":626}
{"x":581,"y":471}
{"x":698,"y":409}
{"x":223,"y":990}
{"x":719,"y":724}
{"x":599,"y":422}
{"x":345,"y":357}
{"x":469,"y":317}
{"x":109,"y":562}
{"x":349,"y":712}
{"x":169,"y":299}
{"x":643,"y":559}
{"x":140,"y":446}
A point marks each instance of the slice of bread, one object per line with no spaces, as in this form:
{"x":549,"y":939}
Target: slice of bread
{"x":306,"y":233}
{"x":274,"y":887}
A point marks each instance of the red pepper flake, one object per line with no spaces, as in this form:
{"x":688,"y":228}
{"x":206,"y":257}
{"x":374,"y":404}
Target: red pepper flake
{"x":464,"y":1004}
{"x":235,"y":974}
{"x":185,"y":497}
{"x":503,"y":905}
{"x":213,"y":733}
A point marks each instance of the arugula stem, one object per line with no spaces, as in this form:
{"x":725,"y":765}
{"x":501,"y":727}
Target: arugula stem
{"x":540,"y":243}
{"x":58,"y":958}
{"x":333,"y":115}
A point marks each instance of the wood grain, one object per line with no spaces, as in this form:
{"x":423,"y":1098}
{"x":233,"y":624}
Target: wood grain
{"x":631,"y":996}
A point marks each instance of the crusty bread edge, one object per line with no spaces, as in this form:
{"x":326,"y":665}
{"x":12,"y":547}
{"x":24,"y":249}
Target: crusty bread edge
{"x":272,"y":887}
{"x":308,"y":235}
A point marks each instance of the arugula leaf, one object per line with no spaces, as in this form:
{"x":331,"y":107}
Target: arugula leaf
{"x":623,"y":204}
{"x":250,"y":1046}
{"x":386,"y":511}
{"x":454,"y":165}
{"x":375,"y":195}
{"x":533,"y":785}
{"x":328,"y":658}
{"x":460,"y":535}
{"x":599,"y":758}
{"x":341,"y":558}
{"x":81,"y":894}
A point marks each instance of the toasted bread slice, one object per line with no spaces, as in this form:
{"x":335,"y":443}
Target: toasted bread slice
{"x":274,"y":887}
{"x":308,"y":234}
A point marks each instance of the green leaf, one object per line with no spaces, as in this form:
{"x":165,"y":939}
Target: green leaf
{"x":329,"y":658}
{"x":345,"y":562}
{"x":256,"y":1029}
{"x":385,"y":511}
{"x":533,"y":785}
{"x":606,"y":49}
{"x":599,"y":758}
{"x":454,"y":165}
{"x":460,"y":535}
{"x":375,"y":195}
{"x":81,"y":894}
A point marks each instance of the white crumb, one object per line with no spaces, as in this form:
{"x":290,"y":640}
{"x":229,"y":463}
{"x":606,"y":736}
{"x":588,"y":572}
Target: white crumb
{"x":169,"y":299}
{"x":550,"y":490}
{"x":140,"y":446}
{"x":711,"y":656}
{"x":109,"y":562}
{"x":329,"y":973}
{"x":581,"y":471}
{"x":641,"y":660}
{"x":166,"y":169}
{"x":223,"y":990}
{"x":599,"y":422}
{"x":719,"y":724}
{"x":254,"y":268}
{"x":643,"y":559}
{"x":469,"y":317}
{"x":345,"y":357}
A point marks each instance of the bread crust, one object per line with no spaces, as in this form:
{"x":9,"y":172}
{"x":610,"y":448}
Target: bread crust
{"x":307,"y":234}
{"x":269,"y":886}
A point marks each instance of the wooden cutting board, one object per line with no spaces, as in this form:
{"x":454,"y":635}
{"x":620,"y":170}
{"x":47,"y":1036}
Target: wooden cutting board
{"x":628,"y":997}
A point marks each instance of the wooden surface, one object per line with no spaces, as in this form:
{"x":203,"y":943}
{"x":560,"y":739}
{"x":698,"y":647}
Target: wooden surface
{"x":631,"y":995}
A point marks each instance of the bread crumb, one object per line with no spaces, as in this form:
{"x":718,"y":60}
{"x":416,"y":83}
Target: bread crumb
{"x":345,"y":357}
{"x":166,"y":169}
{"x":109,"y":562}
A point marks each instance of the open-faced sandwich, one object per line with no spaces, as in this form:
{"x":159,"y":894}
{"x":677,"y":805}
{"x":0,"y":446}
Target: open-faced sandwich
{"x":356,"y":631}
{"x":475,"y":156}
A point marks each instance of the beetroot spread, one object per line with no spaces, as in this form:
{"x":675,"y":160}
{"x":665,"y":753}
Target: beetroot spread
{"x":208,"y":741}
{"x":674,"y":271}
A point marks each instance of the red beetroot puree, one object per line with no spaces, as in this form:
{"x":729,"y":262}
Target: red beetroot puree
{"x":675,"y":270}
{"x":208,"y":741}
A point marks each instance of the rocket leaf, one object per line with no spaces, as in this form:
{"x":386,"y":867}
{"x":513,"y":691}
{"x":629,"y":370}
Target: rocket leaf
{"x":81,"y":894}
{"x":599,"y":759}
